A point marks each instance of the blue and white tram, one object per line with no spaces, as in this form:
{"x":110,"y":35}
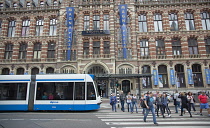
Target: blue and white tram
{"x":74,"y":92}
{"x":14,"y":91}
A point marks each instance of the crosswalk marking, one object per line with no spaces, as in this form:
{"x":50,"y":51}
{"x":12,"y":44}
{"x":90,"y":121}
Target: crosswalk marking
{"x":135,"y":120}
{"x":145,"y":123}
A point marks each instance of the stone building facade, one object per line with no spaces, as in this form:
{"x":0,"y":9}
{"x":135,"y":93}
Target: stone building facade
{"x":167,"y":43}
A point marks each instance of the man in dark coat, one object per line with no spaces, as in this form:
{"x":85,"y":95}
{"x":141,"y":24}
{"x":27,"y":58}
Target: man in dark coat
{"x":184,"y":103}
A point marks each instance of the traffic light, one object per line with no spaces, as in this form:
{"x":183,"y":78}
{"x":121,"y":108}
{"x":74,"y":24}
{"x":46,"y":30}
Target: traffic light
{"x":116,"y":83}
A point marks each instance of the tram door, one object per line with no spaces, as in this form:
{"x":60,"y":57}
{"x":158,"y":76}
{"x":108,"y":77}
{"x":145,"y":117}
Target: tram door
{"x":126,"y":86}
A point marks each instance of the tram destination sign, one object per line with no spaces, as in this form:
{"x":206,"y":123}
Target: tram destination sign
{"x":96,"y":32}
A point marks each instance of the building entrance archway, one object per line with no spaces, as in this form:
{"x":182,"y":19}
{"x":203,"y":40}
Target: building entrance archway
{"x":102,"y":83}
{"x":126,"y":86}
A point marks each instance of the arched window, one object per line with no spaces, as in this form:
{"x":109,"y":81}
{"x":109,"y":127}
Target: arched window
{"x":176,"y":46}
{"x":22,"y":51}
{"x":53,"y":27}
{"x":158,"y":25}
{"x":39,"y":27}
{"x":96,"y":70}
{"x":51,"y":50}
{"x":34,"y":71}
{"x":8,"y":51}
{"x":144,"y":47}
{"x":68,"y":70}
{"x":5,"y":71}
{"x":193,"y":46}
{"x":160,"y":47}
{"x":25,"y":27}
{"x":197,"y":75}
{"x":37,"y":50}
{"x":189,"y":21}
{"x":163,"y":76}
{"x":125,"y":70}
{"x":146,"y":81}
{"x":207,"y":42}
{"x":180,"y":75}
{"x":49,"y":70}
{"x":142,"y":19}
{"x":173,"y":21}
{"x":20,"y":71}
{"x":205,"y":19}
{"x":11,"y":28}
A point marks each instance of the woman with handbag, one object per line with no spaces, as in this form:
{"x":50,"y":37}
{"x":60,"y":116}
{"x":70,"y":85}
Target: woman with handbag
{"x":191,"y":101}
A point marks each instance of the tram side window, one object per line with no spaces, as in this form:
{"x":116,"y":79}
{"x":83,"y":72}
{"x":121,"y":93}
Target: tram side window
{"x":13,"y":91}
{"x":55,"y":91}
{"x":90,"y":91}
{"x":79,"y":91}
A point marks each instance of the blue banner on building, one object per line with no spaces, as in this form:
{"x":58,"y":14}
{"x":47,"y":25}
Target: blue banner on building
{"x":123,"y":24}
{"x":207,"y":72}
{"x":190,"y":78}
{"x":70,"y":26}
{"x":172,"y":77}
{"x":155,"y":77}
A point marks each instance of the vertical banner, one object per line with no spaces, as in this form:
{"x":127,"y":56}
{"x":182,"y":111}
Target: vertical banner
{"x":190,"y":79}
{"x":70,"y":27}
{"x":123,"y":25}
{"x":155,"y":77}
{"x":172,"y":77}
{"x":207,"y":72}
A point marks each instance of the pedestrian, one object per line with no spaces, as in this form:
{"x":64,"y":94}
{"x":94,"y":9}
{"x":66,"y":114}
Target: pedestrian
{"x":177,"y":101}
{"x":164,"y":100}
{"x":134,"y":102}
{"x":113,"y":101}
{"x":149,"y":101}
{"x":129,"y":102}
{"x":159,"y":105}
{"x":141,"y":104}
{"x":203,"y":99}
{"x":191,"y":101}
{"x":185,"y":103}
{"x":122,"y":101}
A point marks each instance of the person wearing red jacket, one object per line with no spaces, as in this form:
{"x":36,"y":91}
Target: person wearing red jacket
{"x":203,"y":99}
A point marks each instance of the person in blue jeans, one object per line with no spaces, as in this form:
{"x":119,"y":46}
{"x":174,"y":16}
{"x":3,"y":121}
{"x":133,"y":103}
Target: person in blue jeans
{"x":122,"y":101}
{"x":113,"y":102}
{"x":129,"y":102}
{"x":149,"y":101}
{"x":177,"y":101}
{"x":134,"y":102}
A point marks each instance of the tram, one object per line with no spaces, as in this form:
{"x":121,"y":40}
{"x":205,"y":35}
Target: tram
{"x":73,"y":92}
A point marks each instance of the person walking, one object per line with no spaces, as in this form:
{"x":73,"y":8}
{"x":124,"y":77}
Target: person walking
{"x":191,"y":100}
{"x":177,"y":101}
{"x":122,"y":101}
{"x":149,"y":101}
{"x":164,"y":101}
{"x":129,"y":102}
{"x":134,"y":102}
{"x":159,"y":105}
{"x":185,"y":103}
{"x":113,"y":101}
{"x":203,"y":99}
